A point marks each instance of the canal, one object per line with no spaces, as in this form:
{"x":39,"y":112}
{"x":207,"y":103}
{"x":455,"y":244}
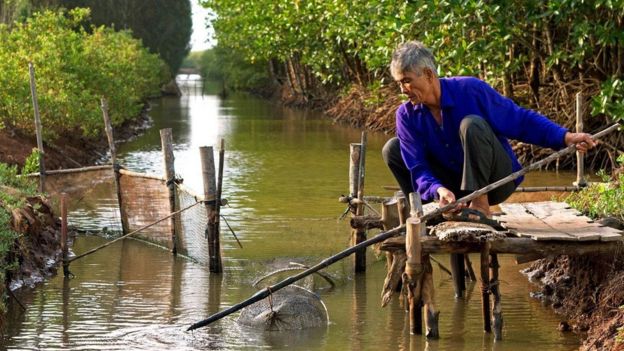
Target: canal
{"x":284,"y":172}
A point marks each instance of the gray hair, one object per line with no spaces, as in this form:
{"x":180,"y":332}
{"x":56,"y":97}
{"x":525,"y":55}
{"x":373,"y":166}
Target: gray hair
{"x":412,"y":56}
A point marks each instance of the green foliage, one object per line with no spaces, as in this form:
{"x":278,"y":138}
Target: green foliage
{"x":74,"y":69}
{"x":225,"y":65}
{"x":610,"y":101}
{"x":343,"y":42}
{"x":164,"y":26}
{"x":193,"y":60}
{"x":9,"y":177}
{"x":602,"y":199}
{"x":31,"y":164}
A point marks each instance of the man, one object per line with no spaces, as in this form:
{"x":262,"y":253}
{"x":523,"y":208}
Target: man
{"x":452,"y":134}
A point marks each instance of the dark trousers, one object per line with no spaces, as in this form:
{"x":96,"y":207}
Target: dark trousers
{"x":485,"y":161}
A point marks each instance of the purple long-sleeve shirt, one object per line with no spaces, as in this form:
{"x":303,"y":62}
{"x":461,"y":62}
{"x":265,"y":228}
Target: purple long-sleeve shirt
{"x":422,"y":138}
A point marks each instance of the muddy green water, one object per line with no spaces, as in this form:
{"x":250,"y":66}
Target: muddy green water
{"x":284,"y":171}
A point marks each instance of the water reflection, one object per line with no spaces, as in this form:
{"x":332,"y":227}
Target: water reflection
{"x":284,"y":171}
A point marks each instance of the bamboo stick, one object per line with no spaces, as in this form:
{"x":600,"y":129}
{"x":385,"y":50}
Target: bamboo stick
{"x":533,"y":189}
{"x":71,"y":170}
{"x":125,"y":228}
{"x":35,"y":102}
{"x":166,"y":139}
{"x":580,"y":158}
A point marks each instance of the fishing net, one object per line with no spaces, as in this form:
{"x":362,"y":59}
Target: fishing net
{"x":93,"y":207}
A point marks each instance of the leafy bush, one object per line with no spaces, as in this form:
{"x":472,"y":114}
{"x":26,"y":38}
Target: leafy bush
{"x":602,"y":199}
{"x":74,"y":69}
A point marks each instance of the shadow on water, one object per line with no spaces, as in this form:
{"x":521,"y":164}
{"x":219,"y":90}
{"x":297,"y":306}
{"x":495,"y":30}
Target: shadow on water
{"x":284,"y":171}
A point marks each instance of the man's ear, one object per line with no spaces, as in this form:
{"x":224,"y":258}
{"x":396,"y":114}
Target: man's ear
{"x":428,"y":73}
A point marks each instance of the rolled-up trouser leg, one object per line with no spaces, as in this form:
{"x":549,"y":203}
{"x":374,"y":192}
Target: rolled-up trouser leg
{"x":485,"y":159}
{"x":391,"y":154}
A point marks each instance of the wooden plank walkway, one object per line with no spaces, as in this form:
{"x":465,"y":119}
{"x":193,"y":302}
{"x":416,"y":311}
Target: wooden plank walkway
{"x":553,"y":221}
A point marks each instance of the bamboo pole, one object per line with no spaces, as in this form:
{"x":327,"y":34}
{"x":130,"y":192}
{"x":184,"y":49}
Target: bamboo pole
{"x":217,"y":222}
{"x":413,"y":265}
{"x":70,"y":170}
{"x":64,"y":246}
{"x":580,"y":182}
{"x":166,"y":139}
{"x":210,"y":202}
{"x":35,"y":102}
{"x":125,"y":228}
{"x":497,"y":310}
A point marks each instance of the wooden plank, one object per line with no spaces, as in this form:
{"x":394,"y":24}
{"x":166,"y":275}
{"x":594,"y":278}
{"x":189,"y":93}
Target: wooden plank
{"x":550,"y":220}
{"x":524,"y":224}
{"x":570,"y":221}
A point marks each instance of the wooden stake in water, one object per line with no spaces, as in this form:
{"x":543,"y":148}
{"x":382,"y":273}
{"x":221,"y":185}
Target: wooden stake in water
{"x":210,"y":202}
{"x":35,"y":102}
{"x":111,"y":144}
{"x":166,"y":139}
{"x":64,"y":247}
{"x":355,"y":184}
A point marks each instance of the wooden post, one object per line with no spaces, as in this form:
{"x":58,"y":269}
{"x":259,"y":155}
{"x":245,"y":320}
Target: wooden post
{"x":427,"y":290}
{"x":459,"y":274}
{"x":64,"y":248}
{"x":210,"y":201}
{"x":125,"y":228}
{"x":166,"y":139}
{"x":497,"y":310}
{"x":390,"y":214}
{"x":355,"y":189}
{"x":580,"y":182}
{"x":485,"y":288}
{"x":413,"y":273}
{"x":35,"y":102}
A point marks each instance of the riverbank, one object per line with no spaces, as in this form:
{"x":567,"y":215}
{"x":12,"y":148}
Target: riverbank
{"x":70,"y":150}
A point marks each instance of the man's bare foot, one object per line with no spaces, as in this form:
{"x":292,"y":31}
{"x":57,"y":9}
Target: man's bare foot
{"x":482,"y":205}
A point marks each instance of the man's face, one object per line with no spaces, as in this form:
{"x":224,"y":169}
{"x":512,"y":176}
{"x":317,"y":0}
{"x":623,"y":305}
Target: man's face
{"x":417,"y":87}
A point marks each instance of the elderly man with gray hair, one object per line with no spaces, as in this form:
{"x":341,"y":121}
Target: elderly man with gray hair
{"x":452,"y":134}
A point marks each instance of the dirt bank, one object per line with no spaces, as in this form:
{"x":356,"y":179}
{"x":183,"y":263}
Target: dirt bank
{"x":35,"y":254}
{"x":588,"y":291}
{"x":70,"y":150}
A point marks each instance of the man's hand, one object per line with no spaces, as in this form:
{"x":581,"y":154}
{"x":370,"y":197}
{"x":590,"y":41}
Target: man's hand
{"x":583,"y":141}
{"x":447,"y":197}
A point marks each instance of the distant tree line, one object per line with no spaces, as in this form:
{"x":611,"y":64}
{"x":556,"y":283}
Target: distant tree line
{"x":164,"y":26}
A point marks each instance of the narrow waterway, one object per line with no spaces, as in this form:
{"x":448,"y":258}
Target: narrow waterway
{"x":284,"y":171}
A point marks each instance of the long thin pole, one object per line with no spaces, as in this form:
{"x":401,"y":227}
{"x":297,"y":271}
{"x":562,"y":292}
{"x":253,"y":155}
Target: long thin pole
{"x":108,"y":127}
{"x":384,"y":235}
{"x":325,"y":263}
{"x":35,"y":102}
{"x":166,"y":139}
